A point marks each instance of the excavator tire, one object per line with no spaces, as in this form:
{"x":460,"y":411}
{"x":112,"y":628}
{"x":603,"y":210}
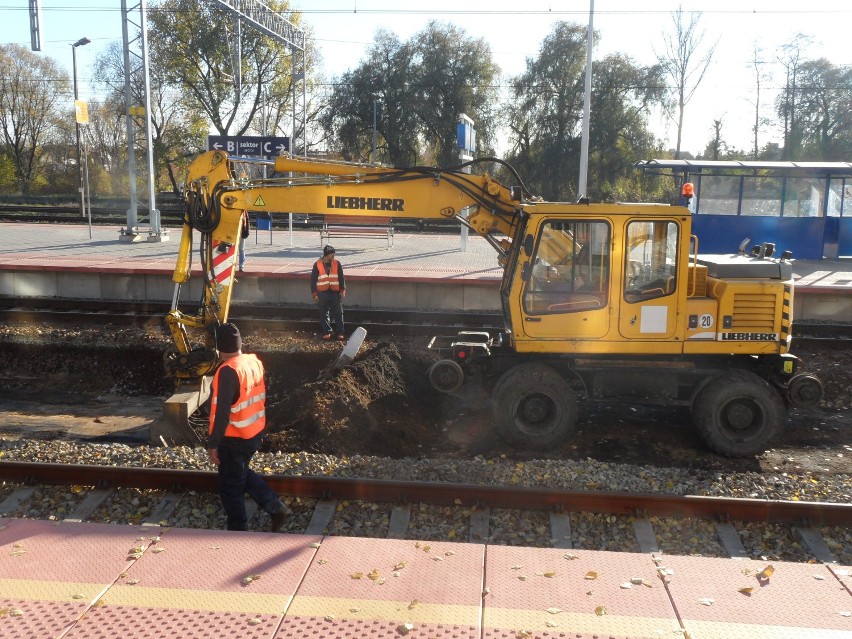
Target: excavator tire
{"x":533,"y":406}
{"x":738,"y":414}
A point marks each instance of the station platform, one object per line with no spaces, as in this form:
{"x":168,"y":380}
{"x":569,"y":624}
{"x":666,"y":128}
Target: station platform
{"x":438,"y":272}
{"x":83,"y":580}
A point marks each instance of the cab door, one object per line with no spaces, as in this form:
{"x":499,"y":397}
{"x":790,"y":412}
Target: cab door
{"x":566,"y":281}
{"x":648,"y":308}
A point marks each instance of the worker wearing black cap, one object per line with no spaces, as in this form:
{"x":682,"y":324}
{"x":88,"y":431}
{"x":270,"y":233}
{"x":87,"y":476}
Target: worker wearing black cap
{"x":329,"y":288}
{"x":237,"y":425}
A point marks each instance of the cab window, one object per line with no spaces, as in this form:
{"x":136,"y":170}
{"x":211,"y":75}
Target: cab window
{"x":650,"y":260}
{"x":570,"y":267}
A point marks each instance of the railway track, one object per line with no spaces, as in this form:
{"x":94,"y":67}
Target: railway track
{"x":375,"y":321}
{"x":96,"y":485}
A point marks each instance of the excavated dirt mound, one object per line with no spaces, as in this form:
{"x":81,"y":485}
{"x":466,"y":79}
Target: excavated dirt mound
{"x":380,"y":404}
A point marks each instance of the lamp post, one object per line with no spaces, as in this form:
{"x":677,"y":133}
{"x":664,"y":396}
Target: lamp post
{"x":81,"y":42}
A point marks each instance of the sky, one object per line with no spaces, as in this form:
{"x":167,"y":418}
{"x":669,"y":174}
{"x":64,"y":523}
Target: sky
{"x":514,"y":30}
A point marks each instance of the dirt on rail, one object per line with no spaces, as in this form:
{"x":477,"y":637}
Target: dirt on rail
{"x":381,"y":404}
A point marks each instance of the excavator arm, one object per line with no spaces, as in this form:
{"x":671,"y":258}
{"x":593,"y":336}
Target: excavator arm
{"x":216,"y":199}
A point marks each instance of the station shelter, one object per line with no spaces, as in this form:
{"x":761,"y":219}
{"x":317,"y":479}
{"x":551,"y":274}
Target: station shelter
{"x":803,"y":207}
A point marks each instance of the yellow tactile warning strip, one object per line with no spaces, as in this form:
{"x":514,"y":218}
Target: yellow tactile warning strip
{"x":210,"y":600}
{"x":412,"y":610}
{"x":37,"y":589}
{"x":588,"y":623}
{"x":717,"y":630}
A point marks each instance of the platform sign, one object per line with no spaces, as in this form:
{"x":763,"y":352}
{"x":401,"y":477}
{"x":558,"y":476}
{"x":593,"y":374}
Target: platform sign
{"x":249,"y":145}
{"x":81,"y":111}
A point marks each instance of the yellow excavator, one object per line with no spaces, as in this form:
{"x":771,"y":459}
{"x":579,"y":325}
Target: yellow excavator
{"x":600,"y":301}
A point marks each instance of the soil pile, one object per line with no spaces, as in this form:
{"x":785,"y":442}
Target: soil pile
{"x":381,"y":404}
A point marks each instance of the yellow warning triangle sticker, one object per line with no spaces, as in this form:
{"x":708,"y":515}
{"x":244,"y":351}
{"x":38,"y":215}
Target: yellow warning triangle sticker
{"x":259,"y":201}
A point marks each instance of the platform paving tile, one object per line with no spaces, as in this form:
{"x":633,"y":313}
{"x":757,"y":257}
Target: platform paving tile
{"x":204,"y":583}
{"x":52,"y":574}
{"x":574,"y":593}
{"x":389,"y":588}
{"x":843,"y":574}
{"x":723,"y":599}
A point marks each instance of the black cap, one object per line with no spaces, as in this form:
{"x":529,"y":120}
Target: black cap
{"x":228,"y":338}
{"x":327,"y":250}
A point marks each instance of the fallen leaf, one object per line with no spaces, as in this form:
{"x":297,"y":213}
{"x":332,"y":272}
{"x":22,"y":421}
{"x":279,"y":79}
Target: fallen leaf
{"x":554,"y":611}
{"x":600,"y":611}
{"x":591,"y":575}
{"x":766,"y":573}
{"x":746,"y":590}
{"x":706,"y":601}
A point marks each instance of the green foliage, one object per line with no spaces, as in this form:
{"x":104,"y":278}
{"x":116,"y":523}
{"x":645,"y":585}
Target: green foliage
{"x":192,"y":44}
{"x":31,"y":90}
{"x":545,"y":119}
{"x":418,"y":89}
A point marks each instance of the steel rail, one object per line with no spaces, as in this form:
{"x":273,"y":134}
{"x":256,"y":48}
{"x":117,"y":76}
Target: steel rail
{"x":254,"y":317}
{"x":301,"y":317}
{"x":376,"y":490}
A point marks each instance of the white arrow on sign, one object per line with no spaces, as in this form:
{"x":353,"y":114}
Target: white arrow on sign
{"x":281,"y":148}
{"x":217,"y":146}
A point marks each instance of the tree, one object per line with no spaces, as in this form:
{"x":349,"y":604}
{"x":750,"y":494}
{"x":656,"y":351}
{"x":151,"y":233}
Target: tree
{"x":453,"y":74}
{"x":545,"y":119}
{"x":420,"y":86}
{"x":823,"y":122}
{"x":382,"y":81}
{"x":622,"y":99}
{"x":33,"y":90}
{"x":190,"y":43}
{"x":544,"y":116}
{"x":791,"y":58}
{"x":684,"y":64}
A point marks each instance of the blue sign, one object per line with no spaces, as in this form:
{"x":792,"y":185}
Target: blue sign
{"x":249,"y":145}
{"x":466,"y":137}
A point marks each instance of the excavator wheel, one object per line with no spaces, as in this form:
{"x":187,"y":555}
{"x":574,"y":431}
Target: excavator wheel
{"x":446,"y":376}
{"x":738,"y":414}
{"x":533,"y":406}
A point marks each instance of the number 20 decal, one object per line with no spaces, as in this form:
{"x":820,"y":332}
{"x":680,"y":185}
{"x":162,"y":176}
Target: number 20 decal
{"x":705,"y":320}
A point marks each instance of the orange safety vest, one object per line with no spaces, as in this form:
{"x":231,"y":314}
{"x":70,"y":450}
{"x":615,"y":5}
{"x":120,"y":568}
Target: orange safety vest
{"x":328,"y":281}
{"x":248,"y":414}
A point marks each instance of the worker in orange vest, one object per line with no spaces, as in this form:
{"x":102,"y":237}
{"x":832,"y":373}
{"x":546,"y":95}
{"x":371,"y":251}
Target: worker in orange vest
{"x":237,"y":425}
{"x":329,"y":288}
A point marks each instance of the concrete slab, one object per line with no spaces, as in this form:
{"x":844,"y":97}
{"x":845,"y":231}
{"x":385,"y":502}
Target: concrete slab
{"x":732,"y":599}
{"x":370,"y":588}
{"x":575,"y":593}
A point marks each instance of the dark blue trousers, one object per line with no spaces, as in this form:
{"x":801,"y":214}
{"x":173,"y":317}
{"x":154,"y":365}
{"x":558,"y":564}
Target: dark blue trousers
{"x":331,"y":312}
{"x":236,"y":479}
